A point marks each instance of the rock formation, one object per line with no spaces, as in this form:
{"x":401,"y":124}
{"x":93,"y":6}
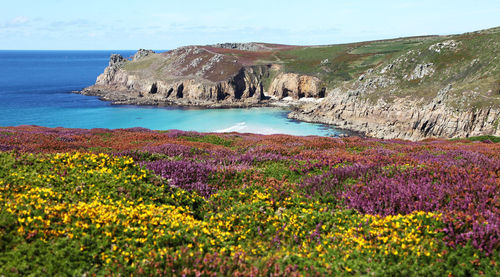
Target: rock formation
{"x":402,"y":119}
{"x":141,"y":53}
{"x":193,"y":76}
{"x":296,"y":86}
{"x":251,"y":46}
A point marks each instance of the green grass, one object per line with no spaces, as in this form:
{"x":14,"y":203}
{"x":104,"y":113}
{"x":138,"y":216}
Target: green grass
{"x":212,"y":139}
{"x":307,"y":60}
{"x":266,"y":82}
{"x":139,"y":65}
{"x":279,"y":171}
{"x":386,"y":47}
{"x":484,"y":138}
{"x":345,"y":62}
{"x":99,"y":149}
{"x":471,"y":67}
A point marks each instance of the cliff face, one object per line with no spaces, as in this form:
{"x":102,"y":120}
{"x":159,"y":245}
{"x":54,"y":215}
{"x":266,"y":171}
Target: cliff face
{"x":401,"y":119}
{"x":296,"y":86}
{"x":118,"y":85}
{"x":193,"y":76}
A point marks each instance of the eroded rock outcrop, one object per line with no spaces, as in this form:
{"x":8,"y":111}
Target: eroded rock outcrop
{"x":428,"y":91}
{"x":421,"y":70}
{"x":116,"y":61}
{"x":251,"y":46}
{"x":122,"y":88}
{"x":141,"y":53}
{"x":445,"y":45}
{"x":194,"y":76}
{"x":296,"y":86}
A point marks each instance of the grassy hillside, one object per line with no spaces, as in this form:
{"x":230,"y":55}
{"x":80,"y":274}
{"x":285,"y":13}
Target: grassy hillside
{"x":471,"y":65}
{"x":338,"y":63}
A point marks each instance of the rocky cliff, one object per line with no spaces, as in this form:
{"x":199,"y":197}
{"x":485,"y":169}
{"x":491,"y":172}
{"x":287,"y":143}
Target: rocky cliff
{"x":296,"y":86}
{"x":196,"y":75}
{"x":403,"y":119}
{"x":410,"y":88}
{"x":448,"y":88}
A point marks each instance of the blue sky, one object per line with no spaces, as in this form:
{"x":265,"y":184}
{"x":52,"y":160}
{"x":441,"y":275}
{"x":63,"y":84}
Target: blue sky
{"x":133,"y":24}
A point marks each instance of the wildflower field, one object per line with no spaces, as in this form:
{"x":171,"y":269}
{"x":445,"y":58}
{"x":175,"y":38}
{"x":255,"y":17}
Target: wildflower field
{"x":174,"y":203}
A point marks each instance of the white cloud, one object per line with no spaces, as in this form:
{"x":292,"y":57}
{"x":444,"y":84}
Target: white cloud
{"x":14,"y":23}
{"x":19,"y":20}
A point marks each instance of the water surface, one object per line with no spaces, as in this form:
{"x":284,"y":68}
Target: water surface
{"x":36,"y":89}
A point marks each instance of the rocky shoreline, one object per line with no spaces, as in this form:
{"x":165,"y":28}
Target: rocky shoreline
{"x":120,"y":98}
{"x":413,"y":95}
{"x":294,"y":106}
{"x":400,"y":121}
{"x":344,"y":111}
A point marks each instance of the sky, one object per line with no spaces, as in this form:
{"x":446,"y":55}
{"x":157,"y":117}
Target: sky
{"x":165,"y":24}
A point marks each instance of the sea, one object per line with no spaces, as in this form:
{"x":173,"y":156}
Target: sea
{"x":36,"y":88}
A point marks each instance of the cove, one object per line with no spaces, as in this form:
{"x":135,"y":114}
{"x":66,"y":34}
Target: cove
{"x":36,"y":89}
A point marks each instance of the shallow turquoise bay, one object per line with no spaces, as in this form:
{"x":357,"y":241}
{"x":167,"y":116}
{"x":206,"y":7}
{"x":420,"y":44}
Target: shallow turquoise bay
{"x":35,"y":89}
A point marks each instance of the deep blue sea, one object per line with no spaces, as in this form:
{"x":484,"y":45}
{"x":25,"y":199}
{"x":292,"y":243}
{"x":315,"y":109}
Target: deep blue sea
{"x":36,"y":89}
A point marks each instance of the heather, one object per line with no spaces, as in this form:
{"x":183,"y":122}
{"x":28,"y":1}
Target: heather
{"x":142,"y":202}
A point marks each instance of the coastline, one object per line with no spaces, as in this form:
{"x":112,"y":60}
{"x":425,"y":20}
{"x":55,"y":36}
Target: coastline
{"x":127,"y":98}
{"x":288,"y":103}
{"x":420,"y":91}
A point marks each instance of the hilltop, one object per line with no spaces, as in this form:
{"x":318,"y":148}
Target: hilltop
{"x":411,"y":88}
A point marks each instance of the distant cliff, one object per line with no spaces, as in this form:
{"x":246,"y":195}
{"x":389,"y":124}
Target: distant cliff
{"x":198,"y":76}
{"x":411,"y":88}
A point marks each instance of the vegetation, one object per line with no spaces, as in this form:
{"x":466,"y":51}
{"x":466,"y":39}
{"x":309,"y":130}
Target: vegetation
{"x":187,"y":203}
{"x":140,"y":64}
{"x":485,"y":139}
{"x":471,"y":66}
{"x":468,"y":62}
{"x":212,"y":139}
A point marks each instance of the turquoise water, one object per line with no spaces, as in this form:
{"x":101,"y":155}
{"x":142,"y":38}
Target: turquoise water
{"x":35,"y":89}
